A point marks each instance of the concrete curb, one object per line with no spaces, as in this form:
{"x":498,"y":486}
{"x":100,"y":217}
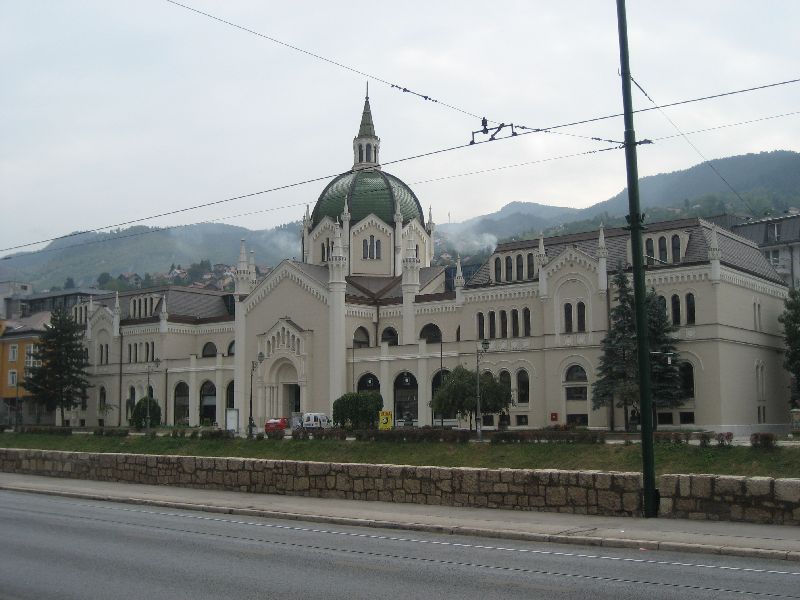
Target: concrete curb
{"x":583,"y":540}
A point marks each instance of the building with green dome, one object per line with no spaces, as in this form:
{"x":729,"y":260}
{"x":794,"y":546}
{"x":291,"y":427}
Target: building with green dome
{"x":377,"y":212}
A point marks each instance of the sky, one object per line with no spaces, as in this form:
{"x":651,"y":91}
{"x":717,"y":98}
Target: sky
{"x":112,"y":111}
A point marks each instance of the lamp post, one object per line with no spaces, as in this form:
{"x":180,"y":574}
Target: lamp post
{"x":157,"y":362}
{"x":250,"y":423}
{"x":480,"y":350}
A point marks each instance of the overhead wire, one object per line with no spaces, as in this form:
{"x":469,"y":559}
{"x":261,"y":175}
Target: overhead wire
{"x":694,"y":146}
{"x":421,"y":155}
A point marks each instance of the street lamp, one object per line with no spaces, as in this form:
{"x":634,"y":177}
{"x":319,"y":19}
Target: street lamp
{"x":157,"y":362}
{"x":480,"y":350}
{"x":251,"y":424}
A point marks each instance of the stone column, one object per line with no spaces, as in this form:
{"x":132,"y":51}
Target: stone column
{"x":194,"y":392}
{"x":219,"y":385}
{"x":423,"y":386}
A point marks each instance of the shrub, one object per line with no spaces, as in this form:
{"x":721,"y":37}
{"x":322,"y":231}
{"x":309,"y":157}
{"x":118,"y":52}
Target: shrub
{"x":300,"y":434}
{"x":553,"y":436}
{"x":409,"y":434}
{"x":111,"y":432}
{"x":260,"y":436}
{"x":273,"y":435}
{"x":725,"y":439}
{"x":705,"y":438}
{"x":45,"y":429}
{"x":357,"y":410}
{"x":193,"y":435}
{"x":139,"y":416}
{"x":216,"y":434}
{"x":335,"y":433}
{"x":763,"y":439}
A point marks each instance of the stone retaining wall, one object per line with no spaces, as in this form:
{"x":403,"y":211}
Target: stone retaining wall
{"x":585,"y":492}
{"x":712,"y":497}
{"x":728,"y":498}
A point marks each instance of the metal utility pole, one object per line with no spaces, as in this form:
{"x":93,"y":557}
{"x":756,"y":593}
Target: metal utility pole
{"x":635,"y":218}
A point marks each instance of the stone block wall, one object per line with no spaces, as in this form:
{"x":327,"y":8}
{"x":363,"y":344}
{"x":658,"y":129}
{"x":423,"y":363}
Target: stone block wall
{"x":729,"y":498}
{"x":584,"y":492}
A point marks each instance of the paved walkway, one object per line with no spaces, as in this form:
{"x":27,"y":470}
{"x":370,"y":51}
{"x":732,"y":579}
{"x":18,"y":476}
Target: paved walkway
{"x":737,"y":539}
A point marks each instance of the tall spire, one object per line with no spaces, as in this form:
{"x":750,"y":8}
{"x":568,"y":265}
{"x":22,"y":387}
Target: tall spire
{"x":366,"y":144}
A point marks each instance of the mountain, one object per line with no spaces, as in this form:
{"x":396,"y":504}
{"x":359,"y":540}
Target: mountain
{"x":764,"y":182}
{"x":83,"y":256}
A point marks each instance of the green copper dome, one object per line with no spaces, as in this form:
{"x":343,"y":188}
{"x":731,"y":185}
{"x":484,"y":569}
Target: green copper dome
{"x":369,"y":191}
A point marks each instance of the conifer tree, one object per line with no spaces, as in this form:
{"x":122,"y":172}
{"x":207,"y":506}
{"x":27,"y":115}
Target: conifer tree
{"x":59,"y":380}
{"x":790,"y":319}
{"x":618,"y":371}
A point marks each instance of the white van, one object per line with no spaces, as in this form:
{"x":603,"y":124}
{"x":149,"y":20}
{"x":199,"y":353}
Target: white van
{"x":316,"y":421}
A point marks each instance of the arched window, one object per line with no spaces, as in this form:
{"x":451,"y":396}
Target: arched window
{"x":568,"y":318}
{"x":458,"y":333}
{"x":481,"y":328}
{"x":690,"y":309}
{"x":360,"y":153}
{"x":575,"y":373}
{"x":662,"y":303}
{"x":390,"y":335}
{"x":523,"y":387}
{"x":676,"y":249}
{"x":520,"y":268}
{"x":361,"y":338}
{"x":503,"y":324}
{"x":509,"y":268}
{"x":505,"y":379}
{"x":676,"y":309}
{"x":101,"y":401}
{"x":209,"y":350}
{"x":416,"y":251}
{"x":232,"y":348}
{"x":229,"y":395}
{"x":372,"y":246}
{"x":181,"y":404}
{"x":492,"y":325}
{"x":581,"y":316}
{"x":369,"y":152}
{"x":498,"y":269}
{"x":526,"y":322}
{"x":530,"y":265}
{"x":368,"y":383}
{"x":131,"y":401}
{"x":149,"y":391}
{"x":686,"y":371}
{"x":576,"y":392}
{"x":431,"y":334}
{"x":649,"y":251}
{"x":662,"y":249}
{"x":322,"y":252}
{"x":365,"y":249}
{"x":514,"y":323}
{"x":377,"y":249}
{"x":208,"y":402}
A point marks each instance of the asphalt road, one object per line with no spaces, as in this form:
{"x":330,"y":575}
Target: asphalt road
{"x":53,"y":547}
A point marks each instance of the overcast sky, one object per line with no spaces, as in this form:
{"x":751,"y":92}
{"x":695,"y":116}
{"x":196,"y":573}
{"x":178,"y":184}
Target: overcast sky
{"x":117,"y":110}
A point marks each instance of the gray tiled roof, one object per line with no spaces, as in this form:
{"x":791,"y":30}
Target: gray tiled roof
{"x":182,"y":302}
{"x":737,"y":252}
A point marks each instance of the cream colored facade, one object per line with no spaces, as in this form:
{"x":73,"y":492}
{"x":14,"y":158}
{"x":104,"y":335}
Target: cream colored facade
{"x":354,"y":314}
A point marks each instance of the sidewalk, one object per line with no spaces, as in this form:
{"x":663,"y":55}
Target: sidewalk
{"x":709,"y":537}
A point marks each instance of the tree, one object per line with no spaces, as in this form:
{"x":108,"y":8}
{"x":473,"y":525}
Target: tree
{"x":359,"y":410}
{"x":59,"y":380}
{"x":790,"y":319}
{"x":457,"y":394}
{"x":140,"y":413}
{"x":618,"y":371}
{"x":147,"y":281}
{"x":69,"y":284}
{"x":103,"y":279}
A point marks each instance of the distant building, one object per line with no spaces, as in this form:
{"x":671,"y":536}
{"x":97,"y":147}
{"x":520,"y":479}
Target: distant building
{"x":11,"y":292}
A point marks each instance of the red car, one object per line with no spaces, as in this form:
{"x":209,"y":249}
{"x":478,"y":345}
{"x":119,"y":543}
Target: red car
{"x":276,"y":424}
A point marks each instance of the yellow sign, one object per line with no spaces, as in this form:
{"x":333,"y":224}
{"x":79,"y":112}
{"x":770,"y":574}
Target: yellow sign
{"x":385,"y":420}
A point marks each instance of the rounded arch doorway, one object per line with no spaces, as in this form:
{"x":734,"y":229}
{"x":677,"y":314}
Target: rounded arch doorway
{"x":368,"y":383}
{"x":406,"y":405}
{"x":208,"y":403}
{"x":286,"y":390}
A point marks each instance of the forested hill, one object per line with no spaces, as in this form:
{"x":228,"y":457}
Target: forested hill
{"x":768,"y":182}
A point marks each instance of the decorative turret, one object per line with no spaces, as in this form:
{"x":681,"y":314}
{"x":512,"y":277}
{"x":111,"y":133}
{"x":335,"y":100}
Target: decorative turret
{"x":251,"y":269}
{"x":117,"y":311}
{"x":398,"y":242}
{"x":714,"y":255}
{"x":337,"y":262}
{"x":346,"y":230}
{"x":541,"y":260}
{"x":337,"y":285}
{"x":366,"y":144}
{"x":458,"y":283}
{"x":243,"y":285}
{"x":410,"y":287}
{"x":163,"y":316}
{"x":602,"y":261}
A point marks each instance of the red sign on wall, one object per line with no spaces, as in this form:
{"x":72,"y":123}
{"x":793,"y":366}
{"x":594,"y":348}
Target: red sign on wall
{"x":554,"y":417}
